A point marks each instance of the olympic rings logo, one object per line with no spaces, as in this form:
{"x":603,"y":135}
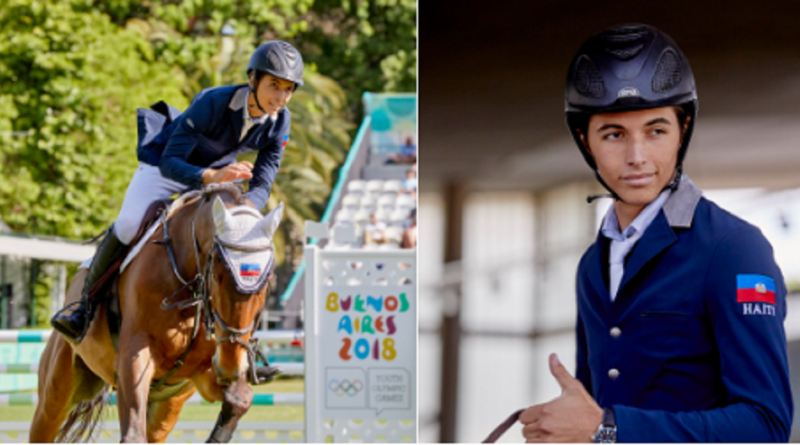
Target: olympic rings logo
{"x":345,"y":387}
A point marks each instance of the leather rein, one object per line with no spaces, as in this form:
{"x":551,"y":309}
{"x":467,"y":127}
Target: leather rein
{"x":201,"y":299}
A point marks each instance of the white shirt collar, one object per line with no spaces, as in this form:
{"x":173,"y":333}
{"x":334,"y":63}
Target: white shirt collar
{"x":640,"y":223}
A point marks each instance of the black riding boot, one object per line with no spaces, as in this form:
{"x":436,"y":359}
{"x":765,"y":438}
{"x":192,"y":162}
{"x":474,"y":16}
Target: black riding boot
{"x":74,"y":326}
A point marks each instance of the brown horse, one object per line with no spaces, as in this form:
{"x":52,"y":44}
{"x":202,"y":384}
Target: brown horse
{"x":213,"y":226}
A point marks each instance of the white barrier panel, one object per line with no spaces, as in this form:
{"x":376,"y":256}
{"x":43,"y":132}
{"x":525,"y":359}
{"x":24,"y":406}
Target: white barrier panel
{"x":276,"y":336}
{"x":361,"y":339}
{"x":184,"y":432}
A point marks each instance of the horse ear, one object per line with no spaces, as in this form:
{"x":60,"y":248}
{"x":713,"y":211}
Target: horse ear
{"x":221,"y":215}
{"x":270,"y":222}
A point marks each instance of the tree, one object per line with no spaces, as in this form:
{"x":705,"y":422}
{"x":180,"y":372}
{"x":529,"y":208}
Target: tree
{"x":70,"y":81}
{"x":366,"y":45}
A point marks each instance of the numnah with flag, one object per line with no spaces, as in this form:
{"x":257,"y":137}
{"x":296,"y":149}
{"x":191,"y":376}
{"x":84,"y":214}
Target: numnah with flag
{"x":250,"y":270}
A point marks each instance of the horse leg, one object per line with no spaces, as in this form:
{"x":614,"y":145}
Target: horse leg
{"x":162,"y":416}
{"x":236,"y":400}
{"x":135,"y":369}
{"x":64,"y":382}
{"x":55,"y":390}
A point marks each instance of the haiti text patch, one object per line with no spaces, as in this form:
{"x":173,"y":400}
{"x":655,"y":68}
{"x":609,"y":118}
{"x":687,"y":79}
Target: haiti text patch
{"x":285,"y":140}
{"x":757,"y":292}
{"x":250,"y":270}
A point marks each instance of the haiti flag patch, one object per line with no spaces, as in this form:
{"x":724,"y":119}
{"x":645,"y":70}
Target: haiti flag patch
{"x":285,"y":140}
{"x":755,"y":289}
{"x":250,"y":270}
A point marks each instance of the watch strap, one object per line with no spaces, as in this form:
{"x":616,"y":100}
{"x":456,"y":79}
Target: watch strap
{"x":609,"y":419}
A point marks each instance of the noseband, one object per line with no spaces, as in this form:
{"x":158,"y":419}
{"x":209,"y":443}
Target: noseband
{"x":201,"y":297}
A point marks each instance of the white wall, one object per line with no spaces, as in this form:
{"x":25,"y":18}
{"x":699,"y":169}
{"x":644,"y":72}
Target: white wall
{"x":502,"y":373}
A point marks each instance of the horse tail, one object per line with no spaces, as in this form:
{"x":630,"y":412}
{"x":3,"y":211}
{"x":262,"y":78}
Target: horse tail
{"x":83,"y":419}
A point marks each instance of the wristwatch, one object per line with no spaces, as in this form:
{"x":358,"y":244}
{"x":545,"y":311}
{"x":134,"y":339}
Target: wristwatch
{"x":607,"y":431}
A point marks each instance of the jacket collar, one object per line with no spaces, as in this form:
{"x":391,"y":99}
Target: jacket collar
{"x":677,"y":212}
{"x":239,"y":98}
{"x":679,"y":208}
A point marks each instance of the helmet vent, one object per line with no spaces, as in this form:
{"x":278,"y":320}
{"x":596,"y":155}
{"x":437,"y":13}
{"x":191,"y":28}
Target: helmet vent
{"x":625,"y":42}
{"x":626,"y":53}
{"x":588,"y":81}
{"x":668,"y":72}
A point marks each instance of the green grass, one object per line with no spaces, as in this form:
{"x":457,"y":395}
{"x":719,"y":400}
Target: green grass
{"x":202,"y":413}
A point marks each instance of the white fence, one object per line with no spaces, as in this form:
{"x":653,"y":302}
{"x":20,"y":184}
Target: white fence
{"x":360,"y":345}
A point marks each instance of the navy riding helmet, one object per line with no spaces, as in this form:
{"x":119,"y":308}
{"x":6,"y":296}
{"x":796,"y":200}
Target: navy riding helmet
{"x":626,"y":68}
{"x":280,"y":59}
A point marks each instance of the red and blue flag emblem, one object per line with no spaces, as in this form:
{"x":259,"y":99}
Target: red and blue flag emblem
{"x":285,"y":140}
{"x":755,"y":289}
{"x":250,"y":270}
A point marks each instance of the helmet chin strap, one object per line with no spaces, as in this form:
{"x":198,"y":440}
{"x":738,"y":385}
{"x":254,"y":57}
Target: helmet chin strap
{"x":254,"y":89}
{"x":673,"y":185}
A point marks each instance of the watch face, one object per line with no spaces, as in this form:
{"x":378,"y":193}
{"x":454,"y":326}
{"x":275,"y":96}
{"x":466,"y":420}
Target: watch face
{"x":607,"y":435}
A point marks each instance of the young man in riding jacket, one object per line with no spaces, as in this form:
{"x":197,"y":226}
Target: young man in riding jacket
{"x":178,"y":152}
{"x":681,"y":306}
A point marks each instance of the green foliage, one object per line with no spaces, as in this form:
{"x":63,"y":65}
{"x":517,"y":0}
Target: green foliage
{"x":70,"y":81}
{"x":72,"y":73}
{"x":187,"y":34}
{"x":365,"y":45}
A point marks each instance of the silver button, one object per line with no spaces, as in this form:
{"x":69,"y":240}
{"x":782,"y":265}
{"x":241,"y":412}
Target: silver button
{"x":613,"y":373}
{"x":616,"y":332}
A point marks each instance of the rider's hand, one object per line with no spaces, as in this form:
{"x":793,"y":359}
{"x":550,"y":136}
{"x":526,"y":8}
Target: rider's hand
{"x":239,"y":170}
{"x":572,"y":417}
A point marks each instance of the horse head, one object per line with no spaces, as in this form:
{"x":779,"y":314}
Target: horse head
{"x":241,"y":264}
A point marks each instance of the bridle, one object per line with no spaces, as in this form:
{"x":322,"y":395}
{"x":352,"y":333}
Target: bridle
{"x":201,"y":299}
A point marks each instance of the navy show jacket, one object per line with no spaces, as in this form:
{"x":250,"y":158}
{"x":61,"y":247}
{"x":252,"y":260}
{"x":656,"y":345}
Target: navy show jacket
{"x":677,"y":355}
{"x":207,"y":135}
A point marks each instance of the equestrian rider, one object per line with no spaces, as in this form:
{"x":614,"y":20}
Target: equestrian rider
{"x":200,"y":147}
{"x":681,"y":306}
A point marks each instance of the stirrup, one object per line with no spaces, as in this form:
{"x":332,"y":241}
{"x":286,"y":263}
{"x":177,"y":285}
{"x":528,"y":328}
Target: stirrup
{"x":264,"y":374}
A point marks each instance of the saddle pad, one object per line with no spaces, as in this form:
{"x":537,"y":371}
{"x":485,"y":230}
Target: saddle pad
{"x":138,"y":246}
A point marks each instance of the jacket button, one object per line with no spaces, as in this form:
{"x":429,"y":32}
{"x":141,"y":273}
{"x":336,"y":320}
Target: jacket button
{"x":613,"y":373}
{"x":616,"y":332}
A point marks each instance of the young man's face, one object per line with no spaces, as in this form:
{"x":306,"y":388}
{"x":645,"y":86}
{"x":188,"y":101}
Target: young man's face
{"x":274,"y":93}
{"x":636,"y":151}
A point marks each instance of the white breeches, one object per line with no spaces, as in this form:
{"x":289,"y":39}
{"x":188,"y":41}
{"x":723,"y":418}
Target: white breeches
{"x":146,"y":186}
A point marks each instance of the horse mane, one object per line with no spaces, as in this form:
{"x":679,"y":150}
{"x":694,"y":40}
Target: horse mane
{"x":236,"y":190}
{"x":207,"y":191}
